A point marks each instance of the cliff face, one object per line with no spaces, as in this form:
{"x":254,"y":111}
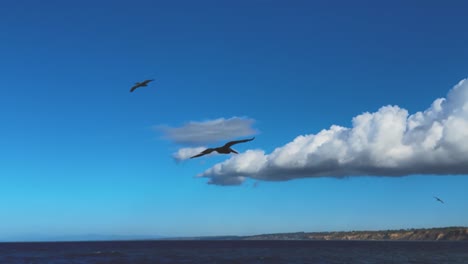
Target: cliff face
{"x":434,"y":234}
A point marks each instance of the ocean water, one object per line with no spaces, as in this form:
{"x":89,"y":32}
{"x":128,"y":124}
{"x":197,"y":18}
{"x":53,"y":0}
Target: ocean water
{"x":225,"y":251}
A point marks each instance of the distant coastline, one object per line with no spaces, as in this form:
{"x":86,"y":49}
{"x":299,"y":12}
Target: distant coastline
{"x":422,"y":234}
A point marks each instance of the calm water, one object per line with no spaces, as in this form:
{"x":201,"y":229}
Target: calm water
{"x":235,"y":252}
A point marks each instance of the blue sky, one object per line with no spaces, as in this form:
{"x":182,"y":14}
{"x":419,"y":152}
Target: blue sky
{"x":81,"y":155}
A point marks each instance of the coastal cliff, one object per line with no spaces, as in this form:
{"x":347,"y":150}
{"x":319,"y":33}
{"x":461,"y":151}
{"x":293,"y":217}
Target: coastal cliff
{"x":433,"y":234}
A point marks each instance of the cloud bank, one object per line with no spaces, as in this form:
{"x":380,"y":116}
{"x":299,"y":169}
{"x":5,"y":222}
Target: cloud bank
{"x":389,"y":142}
{"x":210,"y":131}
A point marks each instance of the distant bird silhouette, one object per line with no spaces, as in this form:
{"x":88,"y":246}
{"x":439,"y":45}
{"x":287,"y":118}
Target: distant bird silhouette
{"x":140,"y":84}
{"x":438,"y":199}
{"x":226,"y":149}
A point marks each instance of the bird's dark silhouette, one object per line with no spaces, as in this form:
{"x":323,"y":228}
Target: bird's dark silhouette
{"x":438,"y":199}
{"x":140,"y":84}
{"x":226,"y":149}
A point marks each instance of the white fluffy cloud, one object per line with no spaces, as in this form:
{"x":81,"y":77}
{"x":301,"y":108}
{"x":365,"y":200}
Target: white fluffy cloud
{"x":210,"y":131}
{"x":389,"y":142}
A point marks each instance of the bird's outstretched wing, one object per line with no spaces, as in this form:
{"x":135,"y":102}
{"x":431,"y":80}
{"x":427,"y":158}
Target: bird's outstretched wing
{"x":206,"y":151}
{"x":438,"y":199}
{"x":147,"y":81}
{"x":135,"y":86}
{"x":229,"y":144}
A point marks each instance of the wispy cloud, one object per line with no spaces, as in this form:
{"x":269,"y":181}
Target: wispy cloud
{"x":210,"y":131}
{"x":186,"y":153}
{"x":389,"y":142}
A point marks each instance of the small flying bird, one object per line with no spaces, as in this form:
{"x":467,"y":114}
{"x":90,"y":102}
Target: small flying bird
{"x":438,"y":199}
{"x":140,"y":84}
{"x":226,"y":149}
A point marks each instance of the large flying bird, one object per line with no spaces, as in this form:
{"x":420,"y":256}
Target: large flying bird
{"x":140,"y":84}
{"x":438,"y":199}
{"x":226,"y":149}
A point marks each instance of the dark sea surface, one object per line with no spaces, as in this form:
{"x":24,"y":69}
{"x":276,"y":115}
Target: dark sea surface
{"x":240,"y":251}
